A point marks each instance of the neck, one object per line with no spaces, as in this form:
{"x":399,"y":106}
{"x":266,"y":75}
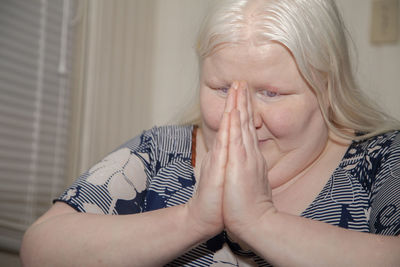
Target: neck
{"x":326,"y":162}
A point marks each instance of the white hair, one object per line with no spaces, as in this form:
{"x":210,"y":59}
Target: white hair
{"x":314,"y":32}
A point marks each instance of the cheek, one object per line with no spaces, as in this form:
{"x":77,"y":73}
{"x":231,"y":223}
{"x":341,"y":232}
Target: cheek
{"x":292,"y":121}
{"x":280,"y":122}
{"x":212,"y":108}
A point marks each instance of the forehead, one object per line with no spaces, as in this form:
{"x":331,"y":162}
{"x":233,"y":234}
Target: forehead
{"x":251,"y":63}
{"x":252,"y":53}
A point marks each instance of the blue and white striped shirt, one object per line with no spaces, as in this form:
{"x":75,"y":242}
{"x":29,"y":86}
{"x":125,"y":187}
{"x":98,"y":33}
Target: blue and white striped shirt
{"x":154,"y":171}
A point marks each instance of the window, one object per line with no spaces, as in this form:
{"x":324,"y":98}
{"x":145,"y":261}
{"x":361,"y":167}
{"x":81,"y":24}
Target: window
{"x":35,"y":63}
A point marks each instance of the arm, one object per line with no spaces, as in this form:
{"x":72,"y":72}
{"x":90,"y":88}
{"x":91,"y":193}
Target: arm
{"x":63,"y":236}
{"x":288,"y":240}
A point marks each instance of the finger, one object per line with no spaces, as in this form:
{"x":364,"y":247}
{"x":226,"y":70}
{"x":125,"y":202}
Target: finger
{"x":237,"y":151}
{"x":243,"y":102}
{"x":222,"y":138}
{"x":221,"y":143}
{"x":232,"y":94}
{"x":242,"y":105}
{"x":252,"y":128}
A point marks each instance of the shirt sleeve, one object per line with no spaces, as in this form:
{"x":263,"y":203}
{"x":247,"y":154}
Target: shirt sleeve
{"x":385,"y":199}
{"x":117,"y":184}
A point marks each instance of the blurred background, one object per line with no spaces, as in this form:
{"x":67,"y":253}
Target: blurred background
{"x":80,"y":77}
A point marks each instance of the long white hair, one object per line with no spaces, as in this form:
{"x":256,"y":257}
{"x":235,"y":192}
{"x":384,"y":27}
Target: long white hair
{"x":314,"y":32}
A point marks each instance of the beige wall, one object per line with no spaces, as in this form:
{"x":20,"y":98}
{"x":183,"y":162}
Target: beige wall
{"x":378,"y":67}
{"x":175,"y":65}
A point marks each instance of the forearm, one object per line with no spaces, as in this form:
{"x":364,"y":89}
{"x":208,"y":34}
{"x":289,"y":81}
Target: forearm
{"x":147,"y":239}
{"x":287,"y":240}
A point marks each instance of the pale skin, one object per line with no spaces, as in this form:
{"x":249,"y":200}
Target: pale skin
{"x":245,"y":184}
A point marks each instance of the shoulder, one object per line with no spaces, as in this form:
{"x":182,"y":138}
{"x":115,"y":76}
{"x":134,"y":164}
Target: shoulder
{"x":176,"y":133}
{"x":159,"y":146}
{"x":381,"y":141}
{"x":382,"y":150}
{"x":384,"y":158}
{"x":161,"y":137}
{"x":368,"y":158}
{"x":376,"y":147}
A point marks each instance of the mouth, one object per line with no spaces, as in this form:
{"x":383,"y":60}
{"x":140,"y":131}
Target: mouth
{"x":260,"y":141}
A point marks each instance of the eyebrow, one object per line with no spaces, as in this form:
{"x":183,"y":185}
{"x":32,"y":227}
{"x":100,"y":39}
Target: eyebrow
{"x":215,"y":79}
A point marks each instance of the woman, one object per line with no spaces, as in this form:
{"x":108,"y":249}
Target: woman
{"x":291,"y":165}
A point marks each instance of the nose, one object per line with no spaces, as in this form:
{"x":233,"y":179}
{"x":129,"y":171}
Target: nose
{"x":257,"y":119}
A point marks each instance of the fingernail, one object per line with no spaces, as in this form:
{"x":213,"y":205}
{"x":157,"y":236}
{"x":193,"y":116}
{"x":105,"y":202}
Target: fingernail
{"x":244,"y":85}
{"x":235,"y":85}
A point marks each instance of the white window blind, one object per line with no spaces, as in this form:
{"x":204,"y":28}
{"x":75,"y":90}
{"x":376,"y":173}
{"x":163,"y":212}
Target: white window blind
{"x":35,"y":59}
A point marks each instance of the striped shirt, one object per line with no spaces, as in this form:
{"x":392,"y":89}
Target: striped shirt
{"x":155,"y":171}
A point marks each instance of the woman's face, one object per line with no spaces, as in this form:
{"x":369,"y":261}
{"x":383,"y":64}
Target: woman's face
{"x":290,"y":128}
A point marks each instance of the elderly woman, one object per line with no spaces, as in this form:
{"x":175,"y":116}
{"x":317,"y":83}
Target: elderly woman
{"x":290,"y":165}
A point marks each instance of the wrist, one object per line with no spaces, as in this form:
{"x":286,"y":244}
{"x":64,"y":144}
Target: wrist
{"x":203,"y":230}
{"x":253,"y":227}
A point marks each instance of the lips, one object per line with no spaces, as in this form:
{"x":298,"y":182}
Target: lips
{"x":263,"y":137}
